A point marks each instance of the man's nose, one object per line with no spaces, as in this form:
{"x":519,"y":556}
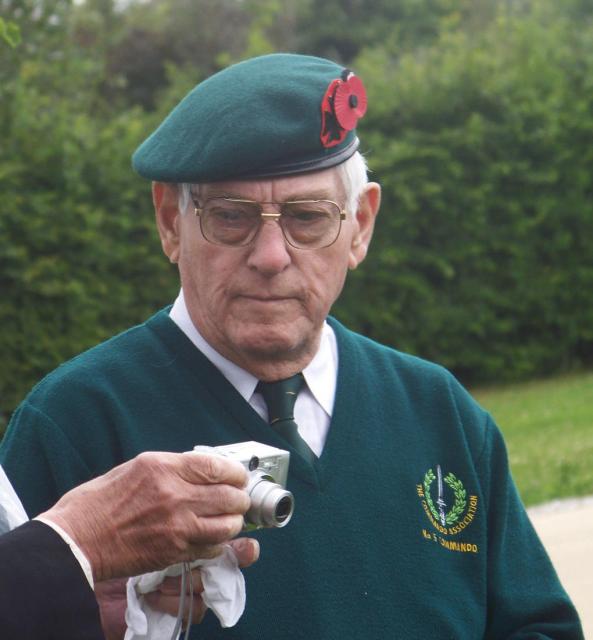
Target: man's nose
{"x":269,"y":253}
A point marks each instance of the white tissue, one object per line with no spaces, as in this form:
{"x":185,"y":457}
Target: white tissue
{"x":12,"y":513}
{"x":224,"y":593}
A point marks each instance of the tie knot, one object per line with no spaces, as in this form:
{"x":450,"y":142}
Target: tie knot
{"x":280,"y":397}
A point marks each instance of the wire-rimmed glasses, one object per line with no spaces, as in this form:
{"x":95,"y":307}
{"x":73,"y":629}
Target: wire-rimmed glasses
{"x":306,"y":224}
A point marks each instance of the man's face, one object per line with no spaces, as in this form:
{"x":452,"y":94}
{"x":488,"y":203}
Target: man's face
{"x":262,"y":306}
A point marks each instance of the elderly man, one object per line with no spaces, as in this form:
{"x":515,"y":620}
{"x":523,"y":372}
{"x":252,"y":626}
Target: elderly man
{"x":407,"y":523}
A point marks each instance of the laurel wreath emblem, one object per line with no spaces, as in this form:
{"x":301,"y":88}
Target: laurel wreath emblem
{"x":456,"y":511}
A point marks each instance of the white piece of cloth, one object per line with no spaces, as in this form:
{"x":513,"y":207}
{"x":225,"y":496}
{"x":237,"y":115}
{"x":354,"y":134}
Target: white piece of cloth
{"x":12,"y":512}
{"x":224,"y":593}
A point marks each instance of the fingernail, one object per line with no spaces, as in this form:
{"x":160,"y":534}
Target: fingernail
{"x":248,"y":546}
{"x":255,"y":548}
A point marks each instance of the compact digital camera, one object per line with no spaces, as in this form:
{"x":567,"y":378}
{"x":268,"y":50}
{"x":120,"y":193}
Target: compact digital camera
{"x":271,"y":504}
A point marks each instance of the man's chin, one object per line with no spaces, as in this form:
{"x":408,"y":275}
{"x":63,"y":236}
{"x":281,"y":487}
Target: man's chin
{"x":271,"y":349}
{"x":269,"y":343}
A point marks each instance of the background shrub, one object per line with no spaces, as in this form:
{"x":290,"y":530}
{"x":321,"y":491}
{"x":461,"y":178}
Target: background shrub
{"x":480,"y":130}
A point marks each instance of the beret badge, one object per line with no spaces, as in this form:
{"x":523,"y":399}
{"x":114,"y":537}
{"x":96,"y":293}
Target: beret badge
{"x":344,"y":102}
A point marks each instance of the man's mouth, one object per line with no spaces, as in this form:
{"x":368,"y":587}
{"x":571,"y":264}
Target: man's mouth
{"x":258,"y":297}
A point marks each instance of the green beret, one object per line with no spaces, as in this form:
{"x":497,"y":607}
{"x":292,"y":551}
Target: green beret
{"x":269,"y":116}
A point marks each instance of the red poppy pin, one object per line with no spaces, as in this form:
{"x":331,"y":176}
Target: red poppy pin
{"x":344,"y":102}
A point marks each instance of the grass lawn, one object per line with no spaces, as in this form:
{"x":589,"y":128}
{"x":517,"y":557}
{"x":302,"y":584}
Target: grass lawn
{"x":548,"y":427}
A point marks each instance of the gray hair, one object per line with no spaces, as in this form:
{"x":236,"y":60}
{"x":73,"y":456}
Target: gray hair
{"x":354,"y":178}
{"x":352,"y":174}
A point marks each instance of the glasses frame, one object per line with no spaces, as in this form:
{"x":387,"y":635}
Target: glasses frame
{"x":273,"y":217}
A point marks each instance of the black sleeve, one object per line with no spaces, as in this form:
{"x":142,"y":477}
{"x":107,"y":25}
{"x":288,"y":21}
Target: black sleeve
{"x":44,"y":594}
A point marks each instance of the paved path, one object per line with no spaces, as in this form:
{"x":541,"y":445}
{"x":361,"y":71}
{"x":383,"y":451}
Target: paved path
{"x":566,"y":529}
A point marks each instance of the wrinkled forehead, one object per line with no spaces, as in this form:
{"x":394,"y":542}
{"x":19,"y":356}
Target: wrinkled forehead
{"x":318,"y":185}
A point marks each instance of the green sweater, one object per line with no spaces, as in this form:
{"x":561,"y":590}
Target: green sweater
{"x":370,"y":553}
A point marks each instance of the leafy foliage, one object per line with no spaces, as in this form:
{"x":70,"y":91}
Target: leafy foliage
{"x":79,"y":257}
{"x":10,"y":33}
{"x":479,"y":129}
{"x":482,"y":256}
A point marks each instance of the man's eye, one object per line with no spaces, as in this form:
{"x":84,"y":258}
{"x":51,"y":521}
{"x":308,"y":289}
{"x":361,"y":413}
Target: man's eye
{"x":231,"y":216}
{"x":307,"y":215}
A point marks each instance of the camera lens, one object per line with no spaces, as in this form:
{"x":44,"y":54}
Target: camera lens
{"x":283,"y":509}
{"x":271,"y":504}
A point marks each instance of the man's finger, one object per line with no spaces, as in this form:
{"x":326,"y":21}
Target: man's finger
{"x":171,"y":585}
{"x":246,"y":550}
{"x":218,"y":499}
{"x":170,"y":604}
{"x":212,"y":530}
{"x":205,"y":468}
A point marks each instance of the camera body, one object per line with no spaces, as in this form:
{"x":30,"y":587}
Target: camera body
{"x":271,"y":504}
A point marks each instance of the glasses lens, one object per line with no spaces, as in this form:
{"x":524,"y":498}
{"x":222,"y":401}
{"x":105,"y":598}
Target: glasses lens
{"x":226,"y":221}
{"x":311,"y":224}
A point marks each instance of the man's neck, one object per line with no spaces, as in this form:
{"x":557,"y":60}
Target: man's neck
{"x":269,"y":370}
{"x":267,"y":364}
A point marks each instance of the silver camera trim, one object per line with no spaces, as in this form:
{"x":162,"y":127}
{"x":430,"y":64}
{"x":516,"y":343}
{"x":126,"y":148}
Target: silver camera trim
{"x":272,"y":505}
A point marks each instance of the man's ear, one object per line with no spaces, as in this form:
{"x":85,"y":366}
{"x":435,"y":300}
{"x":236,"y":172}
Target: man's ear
{"x":368,"y":208}
{"x":165,"y":200}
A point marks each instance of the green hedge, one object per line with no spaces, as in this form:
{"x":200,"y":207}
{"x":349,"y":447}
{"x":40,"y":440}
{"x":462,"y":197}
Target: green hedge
{"x":79,"y":253}
{"x":483,"y":255}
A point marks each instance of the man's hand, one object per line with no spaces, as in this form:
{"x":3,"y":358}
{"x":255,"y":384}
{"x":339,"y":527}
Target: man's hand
{"x":166,"y":597}
{"x":111,"y":598}
{"x":154,"y":511}
{"x":111,"y":595}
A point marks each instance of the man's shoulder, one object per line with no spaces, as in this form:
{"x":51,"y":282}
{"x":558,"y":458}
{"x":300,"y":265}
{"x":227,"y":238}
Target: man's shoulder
{"x":390,"y":368}
{"x":376,"y":354}
{"x":108,"y":360}
{"x":427,"y":393}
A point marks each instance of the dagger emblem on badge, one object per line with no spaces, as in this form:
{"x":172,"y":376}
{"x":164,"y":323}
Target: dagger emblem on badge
{"x":441,"y":501}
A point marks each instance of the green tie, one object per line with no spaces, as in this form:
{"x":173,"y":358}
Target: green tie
{"x":280,"y":397}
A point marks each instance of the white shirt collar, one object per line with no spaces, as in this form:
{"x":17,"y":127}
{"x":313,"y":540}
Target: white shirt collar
{"x":320,"y":374}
